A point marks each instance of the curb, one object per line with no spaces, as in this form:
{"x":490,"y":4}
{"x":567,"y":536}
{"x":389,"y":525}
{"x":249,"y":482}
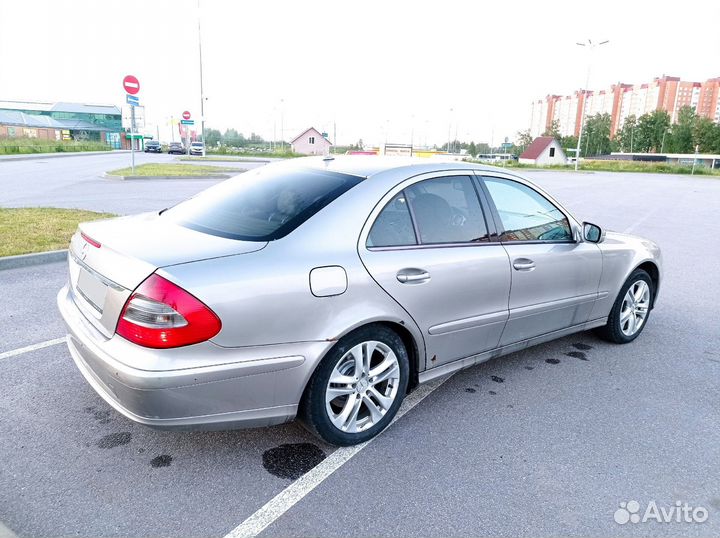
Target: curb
{"x":30,"y":156}
{"x":105,"y":175}
{"x":26,"y":260}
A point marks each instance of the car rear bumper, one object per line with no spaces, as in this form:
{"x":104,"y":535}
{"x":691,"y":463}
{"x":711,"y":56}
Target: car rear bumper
{"x":261,"y":386}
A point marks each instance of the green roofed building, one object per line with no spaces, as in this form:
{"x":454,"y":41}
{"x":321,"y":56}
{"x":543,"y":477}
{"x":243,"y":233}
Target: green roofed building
{"x":62,"y":121}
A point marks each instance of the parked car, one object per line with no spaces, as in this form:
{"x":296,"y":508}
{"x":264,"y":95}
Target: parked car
{"x":176,"y":147}
{"x":328,"y":288}
{"x":153,"y":146}
{"x":196,"y":148}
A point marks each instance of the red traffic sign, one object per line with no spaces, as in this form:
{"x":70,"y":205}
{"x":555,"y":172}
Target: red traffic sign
{"x":131,"y":84}
{"x":186,"y":115}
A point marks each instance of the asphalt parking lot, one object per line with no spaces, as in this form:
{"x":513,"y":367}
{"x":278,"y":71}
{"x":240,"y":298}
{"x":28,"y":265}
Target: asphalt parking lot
{"x":547,"y":441}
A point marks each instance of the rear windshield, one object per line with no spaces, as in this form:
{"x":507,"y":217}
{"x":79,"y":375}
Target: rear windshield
{"x":262,"y":204}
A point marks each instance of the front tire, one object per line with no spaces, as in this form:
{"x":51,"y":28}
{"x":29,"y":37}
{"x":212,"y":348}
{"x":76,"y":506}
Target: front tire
{"x":631,"y":310}
{"x":358,"y":387}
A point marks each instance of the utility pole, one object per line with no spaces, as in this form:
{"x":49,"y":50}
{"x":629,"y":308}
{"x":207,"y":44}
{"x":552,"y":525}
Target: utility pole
{"x":202,"y":95}
{"x":591,"y":47}
{"x":282,"y":125}
{"x":449,"y":130}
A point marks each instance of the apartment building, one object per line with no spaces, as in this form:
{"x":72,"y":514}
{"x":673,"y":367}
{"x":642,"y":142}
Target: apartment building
{"x":622,"y":100}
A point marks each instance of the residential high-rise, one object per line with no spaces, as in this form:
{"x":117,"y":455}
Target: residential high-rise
{"x":623,"y":100}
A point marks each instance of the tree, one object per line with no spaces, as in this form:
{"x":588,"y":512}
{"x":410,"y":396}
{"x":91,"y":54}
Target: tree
{"x":681,"y":137}
{"x":569,"y":142}
{"x":472,"y":149}
{"x":597,"y":135}
{"x":212,"y":137}
{"x":524,"y":139}
{"x":625,"y":137}
{"x":553,"y":129}
{"x":232,"y":138}
{"x":706,"y":135}
{"x":652,"y":130}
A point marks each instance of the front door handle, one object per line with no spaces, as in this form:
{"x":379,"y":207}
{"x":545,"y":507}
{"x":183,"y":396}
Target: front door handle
{"x":409,"y":276}
{"x":523,"y":264}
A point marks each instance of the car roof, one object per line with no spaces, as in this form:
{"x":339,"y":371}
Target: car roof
{"x":368,"y":165}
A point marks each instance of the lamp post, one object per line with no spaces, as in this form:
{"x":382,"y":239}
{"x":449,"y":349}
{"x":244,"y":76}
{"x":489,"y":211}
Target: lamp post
{"x":202,"y":95}
{"x":591,"y":47}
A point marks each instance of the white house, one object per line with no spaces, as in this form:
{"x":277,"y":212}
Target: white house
{"x":310,"y":142}
{"x":543,"y":150}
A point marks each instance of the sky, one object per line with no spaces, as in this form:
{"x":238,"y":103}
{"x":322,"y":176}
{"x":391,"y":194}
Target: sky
{"x":393,"y":70}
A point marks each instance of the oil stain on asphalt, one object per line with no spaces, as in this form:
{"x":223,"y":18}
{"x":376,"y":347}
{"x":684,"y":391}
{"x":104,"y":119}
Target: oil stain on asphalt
{"x":291,"y":461}
{"x":163,"y":460}
{"x":582,"y":347}
{"x":552,"y":361}
{"x":114,"y":439}
{"x":497,"y":379}
{"x":470,"y":390}
{"x":577,"y":355}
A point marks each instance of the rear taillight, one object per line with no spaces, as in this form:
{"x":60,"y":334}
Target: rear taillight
{"x":160,"y":314}
{"x":90,"y":240}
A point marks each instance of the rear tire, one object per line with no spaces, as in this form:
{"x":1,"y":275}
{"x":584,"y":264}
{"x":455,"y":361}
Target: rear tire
{"x":631,"y":310}
{"x":358,"y":387}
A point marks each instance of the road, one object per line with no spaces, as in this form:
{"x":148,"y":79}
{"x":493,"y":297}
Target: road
{"x":547,"y":441}
{"x":76,"y":182}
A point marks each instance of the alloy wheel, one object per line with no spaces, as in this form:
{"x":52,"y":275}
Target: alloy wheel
{"x":362,"y":387}
{"x":635,"y":307}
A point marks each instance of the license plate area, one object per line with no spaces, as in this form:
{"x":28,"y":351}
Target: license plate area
{"x":92,"y":289}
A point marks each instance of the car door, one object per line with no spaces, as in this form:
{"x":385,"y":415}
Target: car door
{"x":429,"y":246}
{"x":555,"y":274}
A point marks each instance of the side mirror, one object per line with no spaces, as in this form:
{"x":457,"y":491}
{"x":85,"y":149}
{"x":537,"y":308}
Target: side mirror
{"x":592,"y":233}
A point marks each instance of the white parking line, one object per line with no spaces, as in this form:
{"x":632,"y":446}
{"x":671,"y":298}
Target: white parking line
{"x":296,"y":491}
{"x":33,"y":347}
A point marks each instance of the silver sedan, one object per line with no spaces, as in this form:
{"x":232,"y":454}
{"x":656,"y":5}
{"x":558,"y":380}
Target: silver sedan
{"x":329,"y":288}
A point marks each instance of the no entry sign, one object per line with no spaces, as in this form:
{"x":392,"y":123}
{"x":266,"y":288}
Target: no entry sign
{"x":186,"y":115}
{"x":131,"y":84}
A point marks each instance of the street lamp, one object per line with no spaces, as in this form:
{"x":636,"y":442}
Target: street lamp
{"x":202,"y":95}
{"x":591,"y":47}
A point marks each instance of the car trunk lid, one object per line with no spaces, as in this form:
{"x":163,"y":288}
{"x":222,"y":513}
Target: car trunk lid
{"x":108,"y":259}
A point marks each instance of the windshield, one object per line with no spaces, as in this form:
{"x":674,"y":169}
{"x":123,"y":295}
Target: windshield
{"x":261,"y":205}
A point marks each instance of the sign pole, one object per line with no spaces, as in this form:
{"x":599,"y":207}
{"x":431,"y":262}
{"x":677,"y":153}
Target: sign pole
{"x":132,"y":138}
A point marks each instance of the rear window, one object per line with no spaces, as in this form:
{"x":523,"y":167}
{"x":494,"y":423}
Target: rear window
{"x":261,"y":205}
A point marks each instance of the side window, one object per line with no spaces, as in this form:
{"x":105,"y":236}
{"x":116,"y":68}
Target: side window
{"x":525,"y":214}
{"x":393,"y":226}
{"x":447,"y":210}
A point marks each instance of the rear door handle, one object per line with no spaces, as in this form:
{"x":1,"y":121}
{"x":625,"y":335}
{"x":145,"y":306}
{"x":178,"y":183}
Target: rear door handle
{"x":409,"y":276}
{"x":523,"y":264}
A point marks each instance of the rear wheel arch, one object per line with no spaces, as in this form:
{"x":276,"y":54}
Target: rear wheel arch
{"x":312,"y":409}
{"x":408,"y":340}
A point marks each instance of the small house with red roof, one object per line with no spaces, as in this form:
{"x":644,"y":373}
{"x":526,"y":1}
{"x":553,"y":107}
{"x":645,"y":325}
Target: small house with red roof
{"x":543,"y":150}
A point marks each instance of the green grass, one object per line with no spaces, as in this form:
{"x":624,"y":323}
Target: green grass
{"x":217,"y":158}
{"x":248,"y":153}
{"x":623,"y":166}
{"x":20,"y":146}
{"x":38,"y":229}
{"x":173,"y":169}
